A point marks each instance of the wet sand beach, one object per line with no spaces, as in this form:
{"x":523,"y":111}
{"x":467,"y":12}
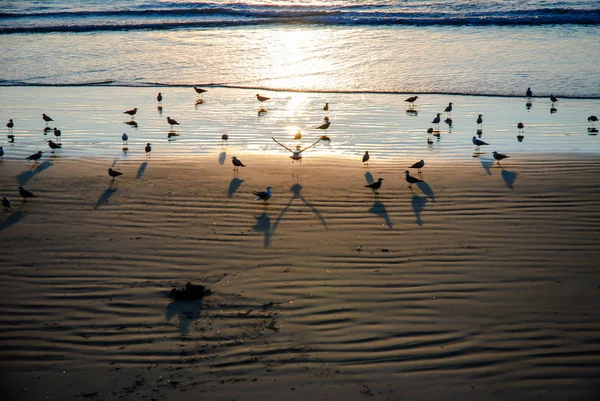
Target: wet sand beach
{"x":481,"y":283}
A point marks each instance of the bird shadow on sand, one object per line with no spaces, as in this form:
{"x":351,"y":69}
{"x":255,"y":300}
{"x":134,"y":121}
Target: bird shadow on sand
{"x":141,"y":170}
{"x":263,"y":225}
{"x":222,"y":158}
{"x":11,"y":219}
{"x":426,"y":189}
{"x":509,"y":178}
{"x":296,"y":190}
{"x":186,"y":312}
{"x":378,"y":209}
{"x":234,"y":185}
{"x":105,"y":196}
{"x":27,"y":175}
{"x":369,"y":178}
{"x":487,"y":164}
{"x":418,"y":204}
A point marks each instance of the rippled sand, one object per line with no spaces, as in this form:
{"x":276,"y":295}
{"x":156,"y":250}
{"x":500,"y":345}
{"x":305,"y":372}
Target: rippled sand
{"x":482,"y":283}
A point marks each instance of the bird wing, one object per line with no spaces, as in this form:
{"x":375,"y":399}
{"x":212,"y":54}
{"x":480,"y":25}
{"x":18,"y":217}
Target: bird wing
{"x":282,"y":145}
{"x":308,"y":147}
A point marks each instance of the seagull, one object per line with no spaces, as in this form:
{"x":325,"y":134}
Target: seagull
{"x":263,"y":195}
{"x":1,"y":153}
{"x":159,"y":97}
{"x":114,"y":173}
{"x":6,"y":202}
{"x":520,"y":125}
{"x":53,"y":145}
{"x":324,"y":126}
{"x":298,"y":135}
{"x":553,"y":98}
{"x":46,"y":118}
{"x":224,"y":137}
{"x":437,"y":119}
{"x":199,"y":91}
{"x":237,"y":163}
{"x":528,"y":93}
{"x":411,"y":99}
{"x":479,"y":119}
{"x":411,"y":180}
{"x":172,"y":121}
{"x":148,"y":148}
{"x":449,"y":108}
{"x":478,"y":142}
{"x":499,"y":156}
{"x":25,"y":194}
{"x":57,"y":134}
{"x":375,"y":185}
{"x":125,"y":138}
{"x":418,"y":165}
{"x":592,"y":119}
{"x":131,"y":112}
{"x":326,"y":107}
{"x":262,"y":98}
{"x":366,"y":157}
{"x":10,"y":124}
{"x":35,"y":157}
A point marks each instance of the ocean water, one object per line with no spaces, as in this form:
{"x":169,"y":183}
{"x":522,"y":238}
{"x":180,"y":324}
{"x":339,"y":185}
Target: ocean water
{"x":443,"y":47}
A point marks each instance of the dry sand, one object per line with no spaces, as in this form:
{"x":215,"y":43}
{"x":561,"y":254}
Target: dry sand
{"x":481,"y":284}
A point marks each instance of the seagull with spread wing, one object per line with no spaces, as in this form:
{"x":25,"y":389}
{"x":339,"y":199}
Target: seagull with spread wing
{"x":297,"y":152}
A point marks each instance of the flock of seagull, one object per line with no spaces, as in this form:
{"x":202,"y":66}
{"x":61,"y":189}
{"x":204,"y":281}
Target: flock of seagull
{"x":265,"y":196}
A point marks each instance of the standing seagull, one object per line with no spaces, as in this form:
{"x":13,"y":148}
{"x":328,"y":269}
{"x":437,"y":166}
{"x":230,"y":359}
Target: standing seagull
{"x":262,"y":98}
{"x":131,"y":112}
{"x":237,"y":163}
{"x":448,"y":109}
{"x":125,"y":138}
{"x":479,"y":120}
{"x":172,"y":121}
{"x":35,"y":157}
{"x":1,"y":153}
{"x":199,"y":91}
{"x":520,"y":126}
{"x":148,"y":148}
{"x":57,"y":134}
{"x":10,"y":124}
{"x":6,"y":202}
{"x":159,"y":98}
{"x":53,"y":145}
{"x":437,"y":120}
{"x":499,"y":156}
{"x":324,"y":126}
{"x":46,"y":118}
{"x":25,"y":194}
{"x":263,"y":195}
{"x":114,"y":173}
{"x":528,"y":92}
{"x":375,"y":185}
{"x":326,"y":107}
{"x":478,"y":142}
{"x":224,"y":137}
{"x":298,"y":136}
{"x":411,"y":100}
{"x":553,"y":98}
{"x":591,"y":119}
{"x":411,"y":180}
{"x":366,"y":158}
{"x":418,"y":165}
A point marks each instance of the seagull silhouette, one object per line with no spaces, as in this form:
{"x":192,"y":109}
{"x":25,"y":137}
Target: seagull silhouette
{"x":263,"y":195}
{"x":262,"y":98}
{"x":237,"y":163}
{"x":6,"y":202}
{"x":46,"y":117}
{"x":410,"y":179}
{"x":148,"y":148}
{"x":418,"y":165}
{"x":35,"y":157}
{"x":114,"y":173}
{"x":366,"y":157}
{"x":131,"y":112}
{"x":375,"y":185}
{"x":499,"y":156}
{"x":411,"y":99}
{"x":172,"y":121}
{"x":25,"y":194}
{"x":478,"y":142}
